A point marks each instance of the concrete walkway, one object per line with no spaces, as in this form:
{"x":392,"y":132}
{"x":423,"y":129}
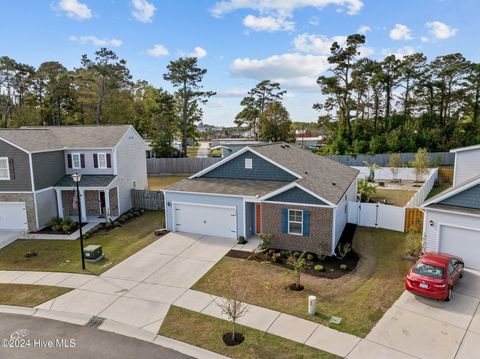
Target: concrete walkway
{"x":8,"y":236}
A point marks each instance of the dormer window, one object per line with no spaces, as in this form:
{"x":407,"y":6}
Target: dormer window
{"x":248,"y":163}
{"x":4,"y":170}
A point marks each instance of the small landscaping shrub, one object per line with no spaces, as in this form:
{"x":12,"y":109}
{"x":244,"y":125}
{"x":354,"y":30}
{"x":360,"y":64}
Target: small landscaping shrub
{"x":57,"y":228}
{"x":129,"y":215}
{"x":310,"y":257}
{"x":343,"y":249}
{"x":271,"y":252}
{"x":298,"y":265}
{"x":108,"y":225}
{"x":267,"y":239}
{"x":122,"y":220}
{"x":87,"y":235}
{"x":284,"y":253}
{"x":241,"y":240}
{"x":343,"y":267}
{"x":137,"y":214}
{"x":275,"y":257}
{"x":56,"y":221}
{"x":318,"y":268}
{"x":297,"y":254}
{"x":66,"y":228}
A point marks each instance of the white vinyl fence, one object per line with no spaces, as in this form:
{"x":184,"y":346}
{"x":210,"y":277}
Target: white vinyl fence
{"x":423,"y":192}
{"x":377,"y":215}
{"x":385,"y":173}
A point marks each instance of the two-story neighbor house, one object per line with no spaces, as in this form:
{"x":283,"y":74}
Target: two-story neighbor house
{"x":452,"y":218}
{"x":300,"y":197}
{"x":36,"y":165}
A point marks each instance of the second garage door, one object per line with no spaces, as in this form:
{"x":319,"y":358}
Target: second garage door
{"x":461,"y":242}
{"x":13,"y":215}
{"x":216,"y":221}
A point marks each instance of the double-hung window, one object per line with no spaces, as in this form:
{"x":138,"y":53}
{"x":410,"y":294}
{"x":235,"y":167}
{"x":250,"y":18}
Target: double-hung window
{"x":76,"y":162}
{"x":295,"y":221}
{"x":102,"y":160}
{"x":4,"y":170}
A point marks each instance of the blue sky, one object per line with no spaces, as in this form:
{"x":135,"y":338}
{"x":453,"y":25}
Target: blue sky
{"x":240,"y":42}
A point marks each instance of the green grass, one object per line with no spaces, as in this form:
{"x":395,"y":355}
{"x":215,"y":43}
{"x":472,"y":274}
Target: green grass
{"x":28,"y":295}
{"x":394,"y":197}
{"x":159,"y":182}
{"x":192,"y":151}
{"x":438,"y":189}
{"x":64,"y":256}
{"x":206,"y":332}
{"x":360,"y":298}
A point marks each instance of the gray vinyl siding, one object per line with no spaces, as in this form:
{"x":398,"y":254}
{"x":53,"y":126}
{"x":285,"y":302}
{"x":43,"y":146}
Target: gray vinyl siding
{"x":470,"y":198}
{"x":46,"y":207}
{"x":236,"y":202}
{"x":467,"y":166}
{"x":250,"y":219}
{"x":22,"y":181}
{"x":48,"y":168}
{"x":261,"y":170}
{"x":296,"y":195}
{"x":89,"y":164}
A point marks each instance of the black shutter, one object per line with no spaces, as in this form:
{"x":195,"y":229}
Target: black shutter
{"x":82,"y":160}
{"x":95,"y":160}
{"x":109,"y":160}
{"x":11,"y":168}
{"x":69,"y":160}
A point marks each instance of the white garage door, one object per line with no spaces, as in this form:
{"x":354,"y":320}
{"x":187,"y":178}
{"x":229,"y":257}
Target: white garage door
{"x":211,"y":220}
{"x":13,"y":215}
{"x":461,"y":242}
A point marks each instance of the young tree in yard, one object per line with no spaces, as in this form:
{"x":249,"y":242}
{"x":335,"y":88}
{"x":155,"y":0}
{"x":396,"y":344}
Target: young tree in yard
{"x":275,"y":124}
{"x":420,"y":164}
{"x":366,"y":190}
{"x":298,"y":265}
{"x":372,"y":167}
{"x":111,"y":74}
{"x":395,"y":163}
{"x":256,"y":103}
{"x":185,"y":75}
{"x":233,"y":307}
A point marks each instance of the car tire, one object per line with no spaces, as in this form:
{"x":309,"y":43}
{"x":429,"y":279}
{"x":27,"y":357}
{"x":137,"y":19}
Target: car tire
{"x":449,"y":295}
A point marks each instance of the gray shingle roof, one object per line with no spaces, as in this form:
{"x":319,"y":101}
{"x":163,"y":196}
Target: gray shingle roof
{"x":327,"y":178}
{"x":86,"y":181}
{"x":451,"y":189}
{"x":226,"y":186}
{"x":36,"y":139}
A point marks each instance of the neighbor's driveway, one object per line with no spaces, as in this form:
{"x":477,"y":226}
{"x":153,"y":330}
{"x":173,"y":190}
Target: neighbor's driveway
{"x":417,"y":327}
{"x":140,"y":290}
{"x":8,"y":236}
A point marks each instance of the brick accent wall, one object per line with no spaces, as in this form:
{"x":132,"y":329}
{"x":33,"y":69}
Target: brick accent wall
{"x":29,"y":205}
{"x":113,"y":202}
{"x":321,"y":221}
{"x":92,"y":204}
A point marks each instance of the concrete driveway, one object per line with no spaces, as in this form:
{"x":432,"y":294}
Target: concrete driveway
{"x":416,"y":327}
{"x":140,"y":290}
{"x":8,"y":236}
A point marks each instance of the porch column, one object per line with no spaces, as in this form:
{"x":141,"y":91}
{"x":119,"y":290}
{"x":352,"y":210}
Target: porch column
{"x":107,"y":203}
{"x":83,"y":206}
{"x":59,"y":202}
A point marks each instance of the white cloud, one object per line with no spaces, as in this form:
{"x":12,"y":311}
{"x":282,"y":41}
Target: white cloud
{"x":95,"y":41}
{"x":424,"y":39}
{"x":75,"y":9}
{"x":282,"y":7}
{"x":268,"y":23}
{"x":364,"y":29}
{"x":158,"y":50}
{"x":198,"y":52}
{"x":143,"y":10}
{"x":440,"y":30}
{"x":401,"y":32}
{"x":399,"y":53}
{"x":316,"y":44}
{"x":233,"y":92}
{"x":314,"y":21}
{"x":292,"y":70}
{"x":216,"y":103}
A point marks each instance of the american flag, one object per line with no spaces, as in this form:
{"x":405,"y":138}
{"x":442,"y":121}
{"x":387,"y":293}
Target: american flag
{"x":75,"y":201}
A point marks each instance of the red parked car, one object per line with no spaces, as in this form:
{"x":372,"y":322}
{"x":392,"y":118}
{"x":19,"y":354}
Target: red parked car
{"x":434,"y":275}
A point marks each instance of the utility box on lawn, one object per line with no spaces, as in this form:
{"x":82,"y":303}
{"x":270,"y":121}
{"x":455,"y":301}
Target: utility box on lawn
{"x":93,"y":253}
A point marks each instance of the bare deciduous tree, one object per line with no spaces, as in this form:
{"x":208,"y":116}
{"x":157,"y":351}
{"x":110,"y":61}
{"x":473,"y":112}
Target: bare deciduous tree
{"x":232,"y":305}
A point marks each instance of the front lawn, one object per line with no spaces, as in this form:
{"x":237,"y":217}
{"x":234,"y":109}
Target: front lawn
{"x":28,"y":295}
{"x":395,"y":197}
{"x":360,"y":298}
{"x":157,"y":183}
{"x":64,"y":256}
{"x":206,"y":332}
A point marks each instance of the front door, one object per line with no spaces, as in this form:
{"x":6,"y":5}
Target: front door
{"x":102,"y":202}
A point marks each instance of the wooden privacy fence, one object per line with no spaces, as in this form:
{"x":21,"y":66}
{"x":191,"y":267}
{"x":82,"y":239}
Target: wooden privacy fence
{"x":184,"y":166}
{"x":413,"y":219}
{"x":445,"y":174}
{"x":145,"y":199}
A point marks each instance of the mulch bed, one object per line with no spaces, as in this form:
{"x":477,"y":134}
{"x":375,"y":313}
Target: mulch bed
{"x":228,"y":340}
{"x":48,"y":230}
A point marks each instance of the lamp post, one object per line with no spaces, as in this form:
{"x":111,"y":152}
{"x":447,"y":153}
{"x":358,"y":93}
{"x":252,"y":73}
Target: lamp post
{"x":76,"y":178}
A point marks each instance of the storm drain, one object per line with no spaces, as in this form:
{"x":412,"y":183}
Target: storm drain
{"x":95,"y":322}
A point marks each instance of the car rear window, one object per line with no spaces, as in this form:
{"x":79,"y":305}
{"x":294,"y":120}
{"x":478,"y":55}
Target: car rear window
{"x":428,"y":270}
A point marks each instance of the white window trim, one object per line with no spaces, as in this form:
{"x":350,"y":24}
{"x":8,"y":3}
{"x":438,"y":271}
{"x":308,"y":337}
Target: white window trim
{"x":98,"y":160}
{"x":289,"y":221}
{"x":8,"y":169}
{"x":79,"y":161}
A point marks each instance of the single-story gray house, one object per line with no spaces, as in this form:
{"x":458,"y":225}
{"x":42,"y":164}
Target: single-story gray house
{"x":300,"y":197}
{"x":452,"y":218}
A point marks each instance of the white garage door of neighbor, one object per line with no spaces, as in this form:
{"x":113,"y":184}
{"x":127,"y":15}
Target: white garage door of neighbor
{"x":210,"y":220}
{"x":13,"y":215}
{"x":461,"y":242}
